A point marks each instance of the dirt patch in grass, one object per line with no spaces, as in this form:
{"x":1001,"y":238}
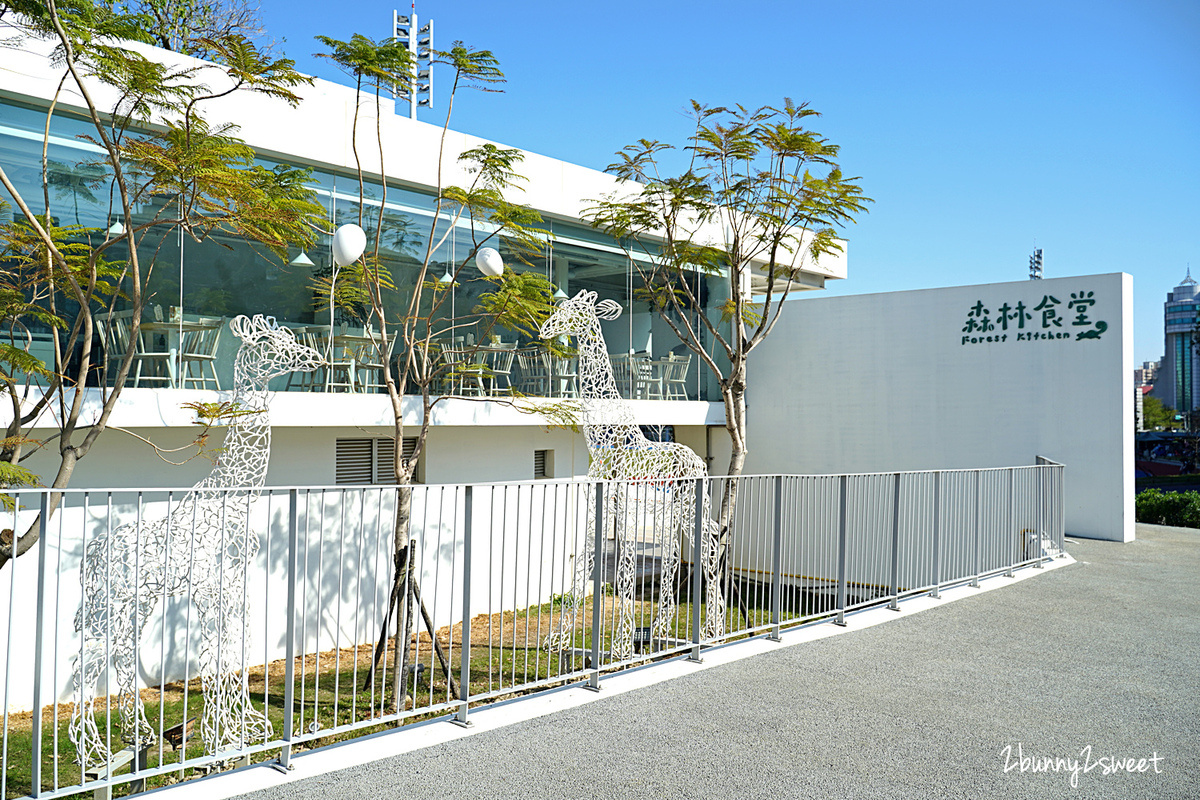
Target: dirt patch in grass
{"x":529,"y":629}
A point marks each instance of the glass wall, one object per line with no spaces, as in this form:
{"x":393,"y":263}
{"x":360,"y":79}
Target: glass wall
{"x":200,"y":285}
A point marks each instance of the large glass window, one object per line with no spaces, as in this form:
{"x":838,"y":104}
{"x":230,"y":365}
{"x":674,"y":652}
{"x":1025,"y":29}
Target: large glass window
{"x":208,"y":282}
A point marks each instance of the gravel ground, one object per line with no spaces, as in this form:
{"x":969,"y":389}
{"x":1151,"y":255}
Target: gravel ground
{"x":1095,"y":661}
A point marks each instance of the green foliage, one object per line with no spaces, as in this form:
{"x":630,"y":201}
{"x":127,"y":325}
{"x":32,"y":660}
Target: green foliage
{"x":1155,"y":415}
{"x":180,"y":174}
{"x":16,"y":362}
{"x":87,"y":25}
{"x":352,"y":290}
{"x":220,"y":413}
{"x":13,"y":476}
{"x":752,"y":172}
{"x":28,"y":282}
{"x":473,"y":69}
{"x":750,"y":314}
{"x":761,"y":198}
{"x":377,"y":63}
{"x":562,"y":415}
{"x":34,"y":268}
{"x":209,"y":416}
{"x":253,"y":70}
{"x":520,"y":301}
{"x":495,"y":166}
{"x":191,"y":26}
{"x":211,"y":177}
{"x":494,"y":171}
{"x":90,"y":36}
{"x":1180,"y":509}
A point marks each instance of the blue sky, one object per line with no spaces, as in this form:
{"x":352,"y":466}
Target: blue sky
{"x":982,"y":130}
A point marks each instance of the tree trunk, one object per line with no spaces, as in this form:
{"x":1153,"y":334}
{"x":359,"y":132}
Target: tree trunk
{"x":25,"y":543}
{"x":402,"y":594}
{"x":733,"y":391}
{"x":400,"y":589}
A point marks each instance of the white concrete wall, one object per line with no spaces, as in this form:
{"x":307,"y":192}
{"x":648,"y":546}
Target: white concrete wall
{"x":305,"y":456}
{"x":149,"y":410}
{"x":885,"y":382}
{"x":471,"y":455}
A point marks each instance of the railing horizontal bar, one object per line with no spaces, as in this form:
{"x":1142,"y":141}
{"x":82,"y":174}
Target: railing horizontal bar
{"x":565,"y":679}
{"x":165,"y":769}
{"x":284,"y":488}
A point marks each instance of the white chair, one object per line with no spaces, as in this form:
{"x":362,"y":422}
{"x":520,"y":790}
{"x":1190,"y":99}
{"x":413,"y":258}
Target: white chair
{"x":564,"y":375}
{"x":622,"y":367}
{"x":341,"y":362}
{"x":199,"y":351}
{"x":115,"y":330}
{"x":675,"y":376}
{"x":370,"y":369}
{"x":463,"y":376}
{"x":647,"y":377}
{"x":498,"y":367}
{"x":316,"y":337}
{"x":535,"y":374}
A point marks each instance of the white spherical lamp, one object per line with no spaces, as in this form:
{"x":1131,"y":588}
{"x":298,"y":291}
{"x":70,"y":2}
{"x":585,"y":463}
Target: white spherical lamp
{"x":349,"y":241}
{"x":489,"y":262}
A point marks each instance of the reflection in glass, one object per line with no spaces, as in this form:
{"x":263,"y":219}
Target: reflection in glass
{"x":224,"y":276}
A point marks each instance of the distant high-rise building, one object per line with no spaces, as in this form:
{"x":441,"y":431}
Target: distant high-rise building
{"x":1178,"y":385}
{"x":1147,"y":373}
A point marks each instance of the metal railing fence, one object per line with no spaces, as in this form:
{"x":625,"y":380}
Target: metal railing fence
{"x":160,"y":633}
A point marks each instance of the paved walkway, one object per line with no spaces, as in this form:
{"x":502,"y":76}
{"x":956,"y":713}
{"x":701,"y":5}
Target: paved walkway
{"x":1097,"y":660}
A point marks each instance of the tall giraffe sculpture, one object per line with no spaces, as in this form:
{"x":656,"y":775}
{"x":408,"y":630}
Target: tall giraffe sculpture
{"x":202,"y":548}
{"x":620,"y":452}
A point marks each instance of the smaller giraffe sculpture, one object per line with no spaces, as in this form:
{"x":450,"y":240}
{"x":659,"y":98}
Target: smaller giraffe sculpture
{"x":641,"y":469}
{"x":203,"y":549}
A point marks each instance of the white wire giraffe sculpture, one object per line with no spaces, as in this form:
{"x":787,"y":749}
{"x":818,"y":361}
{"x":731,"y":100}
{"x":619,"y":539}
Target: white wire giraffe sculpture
{"x":202,"y":549}
{"x":620,"y":452}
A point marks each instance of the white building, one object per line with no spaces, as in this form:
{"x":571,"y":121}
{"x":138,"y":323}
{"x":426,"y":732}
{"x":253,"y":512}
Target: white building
{"x":891,"y":412}
{"x":471,"y":440}
{"x":914,"y":380}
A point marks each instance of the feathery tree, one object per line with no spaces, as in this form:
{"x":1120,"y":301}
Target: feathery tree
{"x":773,"y":189}
{"x":406,"y":331}
{"x":181,"y":176}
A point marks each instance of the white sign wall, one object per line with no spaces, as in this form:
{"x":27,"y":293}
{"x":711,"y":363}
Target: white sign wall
{"x":970,"y":376}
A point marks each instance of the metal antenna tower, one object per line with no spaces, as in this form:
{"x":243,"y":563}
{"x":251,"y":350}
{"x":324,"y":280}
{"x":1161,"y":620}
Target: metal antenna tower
{"x":407,"y":30}
{"x":1035,"y":265}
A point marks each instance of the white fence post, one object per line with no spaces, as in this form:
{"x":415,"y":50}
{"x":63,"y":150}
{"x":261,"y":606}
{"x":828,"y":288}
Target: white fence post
{"x":841,"y":567}
{"x":895,"y":604}
{"x":464,"y":650}
{"x":777,"y":562}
